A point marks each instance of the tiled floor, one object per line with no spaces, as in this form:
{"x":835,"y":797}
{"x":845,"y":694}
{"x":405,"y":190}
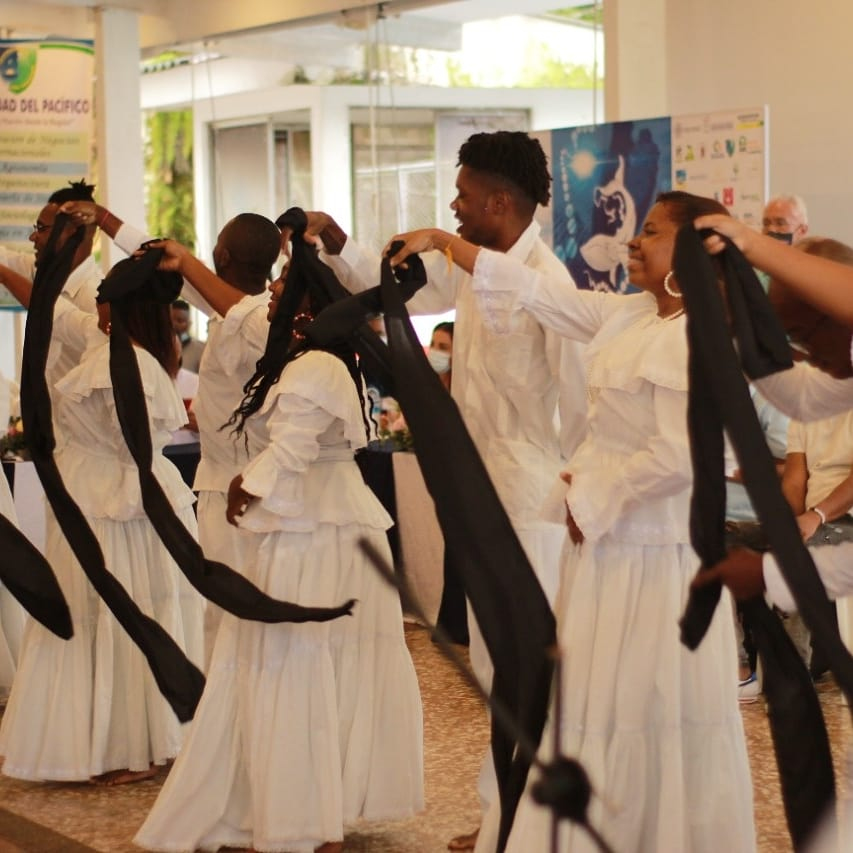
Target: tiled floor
{"x":105,"y":819}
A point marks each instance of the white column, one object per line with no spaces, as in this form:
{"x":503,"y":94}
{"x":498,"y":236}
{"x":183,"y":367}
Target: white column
{"x":331,"y":156}
{"x":118,"y":120}
{"x":635,"y":51}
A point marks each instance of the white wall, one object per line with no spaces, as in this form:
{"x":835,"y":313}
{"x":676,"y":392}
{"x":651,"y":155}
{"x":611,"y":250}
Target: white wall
{"x":328,"y":110}
{"x":797,"y":58}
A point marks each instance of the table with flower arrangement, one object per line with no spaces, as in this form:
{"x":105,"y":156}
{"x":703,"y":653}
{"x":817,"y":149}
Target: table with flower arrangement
{"x":417,"y":544}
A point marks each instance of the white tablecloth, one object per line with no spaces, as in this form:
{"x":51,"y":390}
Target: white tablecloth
{"x":421,"y":542}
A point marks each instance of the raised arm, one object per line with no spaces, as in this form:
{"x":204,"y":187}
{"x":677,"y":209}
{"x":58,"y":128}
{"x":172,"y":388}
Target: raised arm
{"x":455,"y":249}
{"x":825,"y":284}
{"x":18,"y":285}
{"x":321,"y":228}
{"x":125,"y":236}
{"x":220,"y":295}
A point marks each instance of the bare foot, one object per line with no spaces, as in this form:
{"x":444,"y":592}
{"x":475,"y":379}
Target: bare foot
{"x":464,"y":842}
{"x":330,"y":847}
{"x":123,"y":777}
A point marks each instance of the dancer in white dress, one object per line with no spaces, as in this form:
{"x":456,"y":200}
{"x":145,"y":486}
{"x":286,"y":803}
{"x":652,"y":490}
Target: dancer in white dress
{"x":520,"y":395}
{"x":656,"y":726}
{"x":11,"y":613}
{"x":89,"y":707}
{"x":302,"y":729}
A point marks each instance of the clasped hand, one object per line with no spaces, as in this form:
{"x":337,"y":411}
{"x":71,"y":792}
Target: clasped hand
{"x":238,"y":500}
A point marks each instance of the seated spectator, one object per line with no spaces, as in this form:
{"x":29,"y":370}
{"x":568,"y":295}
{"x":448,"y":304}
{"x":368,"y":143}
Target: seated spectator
{"x":818,"y":485}
{"x":184,"y":449}
{"x":191,"y":349}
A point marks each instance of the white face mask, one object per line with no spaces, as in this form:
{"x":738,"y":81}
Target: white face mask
{"x":439,"y":360}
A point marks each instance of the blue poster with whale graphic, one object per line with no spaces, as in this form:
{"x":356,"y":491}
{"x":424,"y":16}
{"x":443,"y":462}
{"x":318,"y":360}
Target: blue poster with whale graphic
{"x":606,"y":177}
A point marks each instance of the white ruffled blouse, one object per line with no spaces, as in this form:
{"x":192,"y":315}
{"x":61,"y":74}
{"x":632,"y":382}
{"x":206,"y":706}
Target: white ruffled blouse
{"x":302,"y":443}
{"x":631,"y":476}
{"x":95,"y":462}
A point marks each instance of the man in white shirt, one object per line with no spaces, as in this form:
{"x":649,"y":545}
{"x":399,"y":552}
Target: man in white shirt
{"x":17,"y":269}
{"x":507,"y":387}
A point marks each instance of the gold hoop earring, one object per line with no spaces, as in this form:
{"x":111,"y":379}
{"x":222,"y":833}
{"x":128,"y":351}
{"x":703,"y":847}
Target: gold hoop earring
{"x":675,"y":294}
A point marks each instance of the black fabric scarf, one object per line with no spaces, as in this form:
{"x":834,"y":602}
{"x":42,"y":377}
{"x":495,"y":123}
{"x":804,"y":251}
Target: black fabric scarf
{"x":180,"y":682}
{"x":133,"y":278}
{"x":319,"y":278}
{"x":178,"y":679}
{"x":512,"y":611}
{"x":29,"y":578}
{"x":719,"y":398}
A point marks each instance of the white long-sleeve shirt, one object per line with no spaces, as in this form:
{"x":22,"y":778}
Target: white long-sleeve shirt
{"x":506,"y":386}
{"x":234,"y":344}
{"x":80,"y":288}
{"x":632,"y":473}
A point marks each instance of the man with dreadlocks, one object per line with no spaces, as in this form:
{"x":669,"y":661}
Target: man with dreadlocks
{"x":507,"y":387}
{"x":302,"y":729}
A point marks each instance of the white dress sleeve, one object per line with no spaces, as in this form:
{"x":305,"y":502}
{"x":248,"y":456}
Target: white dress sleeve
{"x":22,"y":263}
{"x":806,"y":393}
{"x":504,"y":286}
{"x":243,"y":335}
{"x":357,"y":268}
{"x":129,"y":239}
{"x":660,"y":469}
{"x":834,"y":564}
{"x":274,"y":475}
{"x":76,"y":328}
{"x":314,"y":391}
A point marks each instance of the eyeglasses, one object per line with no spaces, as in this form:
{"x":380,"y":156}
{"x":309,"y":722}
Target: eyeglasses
{"x":38,"y":227}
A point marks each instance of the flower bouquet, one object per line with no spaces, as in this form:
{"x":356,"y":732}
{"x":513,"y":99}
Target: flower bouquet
{"x":399,"y":439}
{"x":13,"y":443}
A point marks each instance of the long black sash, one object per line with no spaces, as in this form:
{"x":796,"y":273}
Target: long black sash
{"x":180,"y":682}
{"x":29,"y":578}
{"x":719,"y":398}
{"x":512,"y":611}
{"x":216,"y":581}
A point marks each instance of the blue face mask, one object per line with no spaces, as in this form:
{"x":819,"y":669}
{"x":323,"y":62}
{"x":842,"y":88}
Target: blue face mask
{"x":439,"y":360}
{"x":782,"y":238}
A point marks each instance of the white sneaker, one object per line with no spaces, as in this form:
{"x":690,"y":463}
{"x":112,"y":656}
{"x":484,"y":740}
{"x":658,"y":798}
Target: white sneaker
{"x":748,"y":690}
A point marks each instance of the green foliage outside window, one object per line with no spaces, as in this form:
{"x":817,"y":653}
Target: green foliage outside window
{"x":169,"y":176}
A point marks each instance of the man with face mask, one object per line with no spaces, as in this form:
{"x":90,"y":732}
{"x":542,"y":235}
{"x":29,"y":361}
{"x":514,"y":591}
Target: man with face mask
{"x":785,"y":218}
{"x":440,"y":352}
